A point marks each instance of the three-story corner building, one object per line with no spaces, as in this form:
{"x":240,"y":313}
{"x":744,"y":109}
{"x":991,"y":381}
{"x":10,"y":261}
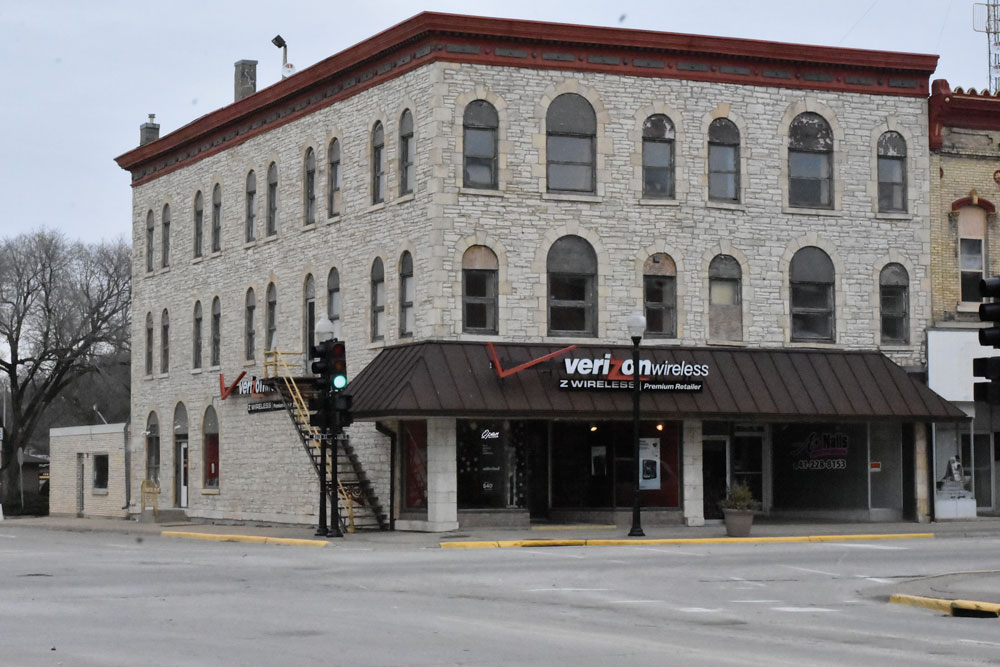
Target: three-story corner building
{"x":479,"y":205}
{"x":965,"y":248}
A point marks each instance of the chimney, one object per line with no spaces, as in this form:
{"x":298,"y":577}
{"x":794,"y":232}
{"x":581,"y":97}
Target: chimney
{"x":245,"y":79}
{"x":149,"y":131}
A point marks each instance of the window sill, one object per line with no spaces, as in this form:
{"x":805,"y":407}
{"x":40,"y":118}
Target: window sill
{"x":479,"y":336}
{"x":727,"y":343}
{"x":645,"y":201}
{"x":656,"y":339}
{"x":163,"y":269}
{"x":249,"y":244}
{"x":376,"y":344}
{"x":408,"y":197}
{"x":197,"y":260}
{"x":333,"y":219}
{"x":215,"y":253}
{"x":309,"y":227}
{"x":805,"y":210}
{"x":195,"y":371}
{"x":816,"y":346}
{"x":483,"y":192}
{"x":213,"y":368}
{"x":147,"y":376}
{"x":725,"y":205}
{"x":270,"y":239}
{"x":571,"y":338}
{"x":968,"y":307}
{"x":902,"y":215}
{"x":99,"y":492}
{"x":556,"y":196}
{"x":161,"y":375}
{"x":210,"y":492}
{"x":896,"y":347}
{"x":375,"y":207}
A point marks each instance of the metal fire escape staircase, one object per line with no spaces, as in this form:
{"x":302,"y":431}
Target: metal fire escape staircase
{"x":360,"y":508}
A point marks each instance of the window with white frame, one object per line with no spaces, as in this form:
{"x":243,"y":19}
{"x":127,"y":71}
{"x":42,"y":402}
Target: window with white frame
{"x":723,"y":161}
{"x":199,"y":224}
{"x":249,"y":328}
{"x":406,"y":170}
{"x":658,"y":157}
{"x":479,"y":290}
{"x":271,"y":317}
{"x":165,"y":342}
{"x":572,"y":281}
{"x":406,"y":295}
{"x":659,"y":292}
{"x":216,"y":331}
{"x":480,"y":123}
{"x":251,"y":217}
{"x":810,"y":162}
{"x":153,"y":448}
{"x":378,"y":299}
{"x":894,"y":297}
{"x":571,"y":145}
{"x":333,"y":300}
{"x":150,"y":236}
{"x":892,"y":173}
{"x":272,"y":199}
{"x":309,"y":188}
{"x":217,"y":218}
{"x":165,"y":237}
{"x":196,"y":336}
{"x":971,"y":225}
{"x":309,"y":312}
{"x":333,"y":180}
{"x":811,"y":285}
{"x":378,"y":164}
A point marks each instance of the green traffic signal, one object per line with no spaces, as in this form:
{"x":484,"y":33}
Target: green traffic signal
{"x":339,"y":381}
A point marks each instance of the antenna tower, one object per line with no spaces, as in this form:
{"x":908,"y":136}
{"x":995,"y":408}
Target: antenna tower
{"x":986,"y":18}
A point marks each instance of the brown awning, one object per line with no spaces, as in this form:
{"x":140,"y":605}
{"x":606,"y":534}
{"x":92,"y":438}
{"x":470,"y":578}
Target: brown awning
{"x":464,"y":379}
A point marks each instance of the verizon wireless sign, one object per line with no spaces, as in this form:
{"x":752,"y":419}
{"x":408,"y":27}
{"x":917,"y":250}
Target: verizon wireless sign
{"x":608,"y":373}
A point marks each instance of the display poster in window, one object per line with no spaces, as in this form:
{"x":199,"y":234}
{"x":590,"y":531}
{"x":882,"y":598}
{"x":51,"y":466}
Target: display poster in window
{"x":598,"y":461}
{"x":649,"y":464}
{"x":820,"y":466}
{"x":482,"y":455}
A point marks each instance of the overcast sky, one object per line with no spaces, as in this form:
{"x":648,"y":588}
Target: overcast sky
{"x":78,"y":78}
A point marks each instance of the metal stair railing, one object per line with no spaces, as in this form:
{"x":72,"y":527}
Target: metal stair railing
{"x":274,"y":361}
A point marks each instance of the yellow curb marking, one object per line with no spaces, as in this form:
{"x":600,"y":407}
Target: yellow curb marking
{"x":253,"y":539}
{"x":944,"y":606}
{"x":502,"y":544}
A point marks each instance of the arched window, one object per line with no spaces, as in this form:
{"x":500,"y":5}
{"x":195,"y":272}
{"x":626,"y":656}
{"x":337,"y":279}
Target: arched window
{"x":165,"y":238}
{"x":571,"y":144}
{"x":271,"y":317}
{"x":572,"y":273}
{"x":309,"y":187}
{"x":150,"y":235}
{"x":272,"y":199}
{"x":659,"y":290}
{"x":810,"y":162}
{"x":723,"y":161}
{"x":249,"y":327}
{"x":333,"y":300}
{"x":180,"y":432}
{"x":479,"y":290}
{"x":196,"y":336}
{"x":210,"y":449}
{"x":892,"y":173}
{"x":217,"y":218}
{"x":658,"y":157}
{"x":894,"y":298}
{"x":149,"y":343}
{"x":406,"y":153}
{"x":333,"y":180}
{"x":165,"y":342}
{"x":216,"y":331}
{"x":971,"y":225}
{"x":378,"y":299}
{"x":378,"y":164}
{"x":406,"y":295}
{"x":479,"y":145}
{"x":199,"y":224}
{"x":725,"y":315}
{"x":251,"y":221}
{"x":153,"y":448}
{"x":309,"y":312}
{"x":811,"y":283}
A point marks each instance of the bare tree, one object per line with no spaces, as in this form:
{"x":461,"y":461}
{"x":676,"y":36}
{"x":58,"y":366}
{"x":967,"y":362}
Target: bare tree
{"x":64,"y":308}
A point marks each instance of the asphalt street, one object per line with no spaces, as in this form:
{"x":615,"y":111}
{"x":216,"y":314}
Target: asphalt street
{"x":99,"y":598}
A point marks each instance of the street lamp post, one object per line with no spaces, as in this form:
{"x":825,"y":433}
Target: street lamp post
{"x":636,"y":327}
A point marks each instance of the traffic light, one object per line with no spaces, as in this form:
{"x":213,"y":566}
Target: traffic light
{"x":342,"y":417}
{"x":338,"y":364}
{"x":319,"y":408}
{"x":322,"y":356}
{"x":988,"y":367}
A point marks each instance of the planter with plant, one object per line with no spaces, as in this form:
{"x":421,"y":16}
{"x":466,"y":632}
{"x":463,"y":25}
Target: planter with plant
{"x":738,"y":508}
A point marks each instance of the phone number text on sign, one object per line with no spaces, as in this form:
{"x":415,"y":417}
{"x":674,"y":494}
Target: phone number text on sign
{"x":820,"y":464}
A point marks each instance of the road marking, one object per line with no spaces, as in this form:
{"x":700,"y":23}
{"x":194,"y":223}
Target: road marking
{"x":801,"y":610}
{"x":977,"y":641}
{"x":676,"y":552}
{"x":806,"y":569}
{"x":751,"y":583}
{"x":877,"y":580}
{"x":13,"y":537}
{"x":756,"y":601}
{"x":632,"y":601}
{"x":552,"y":552}
{"x":868,"y":546}
{"x":698,"y":610}
{"x":565,"y":590}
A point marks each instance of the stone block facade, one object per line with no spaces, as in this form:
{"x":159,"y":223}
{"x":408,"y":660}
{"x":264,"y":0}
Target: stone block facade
{"x":265,"y":472}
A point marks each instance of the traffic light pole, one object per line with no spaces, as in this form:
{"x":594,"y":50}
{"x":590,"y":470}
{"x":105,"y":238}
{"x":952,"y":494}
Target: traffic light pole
{"x":335,"y":509}
{"x":321,"y":530}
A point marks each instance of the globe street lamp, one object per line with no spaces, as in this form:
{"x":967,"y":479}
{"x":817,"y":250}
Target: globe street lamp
{"x":636,"y":324}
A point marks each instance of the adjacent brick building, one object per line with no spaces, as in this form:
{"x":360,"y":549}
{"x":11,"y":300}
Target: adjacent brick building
{"x":456,"y":182}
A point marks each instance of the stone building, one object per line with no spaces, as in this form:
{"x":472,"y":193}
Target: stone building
{"x":479,"y":205}
{"x":965,"y":247}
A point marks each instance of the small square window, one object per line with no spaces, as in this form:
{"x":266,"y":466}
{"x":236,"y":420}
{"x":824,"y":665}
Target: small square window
{"x":100,"y":472}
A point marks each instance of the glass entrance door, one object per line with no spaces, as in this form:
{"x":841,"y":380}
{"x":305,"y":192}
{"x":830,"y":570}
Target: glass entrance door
{"x":714,"y":474}
{"x":747,"y":461}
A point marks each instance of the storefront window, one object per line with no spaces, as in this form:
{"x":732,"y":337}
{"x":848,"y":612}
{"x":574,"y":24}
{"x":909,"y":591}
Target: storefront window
{"x":491,"y":466}
{"x":210,"y":431}
{"x":820,"y":466}
{"x":414,"y":437}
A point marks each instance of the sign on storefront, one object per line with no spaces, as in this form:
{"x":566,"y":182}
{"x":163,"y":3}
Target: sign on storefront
{"x":609,"y":373}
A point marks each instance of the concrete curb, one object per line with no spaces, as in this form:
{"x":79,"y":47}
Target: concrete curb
{"x":950,"y":607}
{"x":253,"y":539}
{"x":507,"y":544}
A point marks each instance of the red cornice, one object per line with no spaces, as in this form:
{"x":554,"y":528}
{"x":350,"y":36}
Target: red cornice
{"x":430,"y":37}
{"x":981,"y":202}
{"x":958,"y":108}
